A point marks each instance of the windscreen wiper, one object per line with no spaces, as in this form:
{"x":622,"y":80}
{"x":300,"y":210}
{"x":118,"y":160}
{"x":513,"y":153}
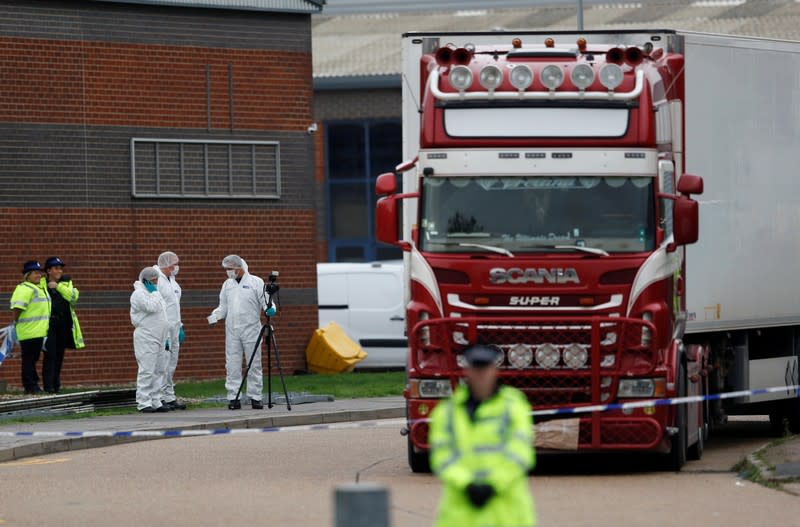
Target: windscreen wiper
{"x":492,"y":248}
{"x":590,"y":250}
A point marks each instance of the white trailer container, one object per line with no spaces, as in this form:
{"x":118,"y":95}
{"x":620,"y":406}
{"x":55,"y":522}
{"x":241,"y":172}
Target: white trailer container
{"x":743,"y":138}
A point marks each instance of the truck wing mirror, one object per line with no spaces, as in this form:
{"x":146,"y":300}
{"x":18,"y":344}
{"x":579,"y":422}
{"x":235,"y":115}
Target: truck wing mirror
{"x":387,"y":222}
{"x":690,"y":184}
{"x":386,"y":184}
{"x":686,"y":217}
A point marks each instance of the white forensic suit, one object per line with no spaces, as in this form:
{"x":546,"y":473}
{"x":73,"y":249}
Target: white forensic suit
{"x":171,"y":292}
{"x":241,"y":304}
{"x":149,"y":317}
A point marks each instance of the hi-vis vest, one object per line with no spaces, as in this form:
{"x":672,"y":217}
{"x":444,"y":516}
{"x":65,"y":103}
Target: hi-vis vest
{"x":34,"y":302}
{"x":495,"y":448}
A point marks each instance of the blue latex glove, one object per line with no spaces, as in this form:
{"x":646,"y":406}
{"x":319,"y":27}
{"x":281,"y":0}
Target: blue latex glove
{"x":149,"y":286}
{"x":181,"y":336}
{"x":271,"y":311}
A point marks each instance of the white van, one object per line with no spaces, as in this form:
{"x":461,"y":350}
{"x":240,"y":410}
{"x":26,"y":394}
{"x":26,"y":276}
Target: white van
{"x":366,"y":300}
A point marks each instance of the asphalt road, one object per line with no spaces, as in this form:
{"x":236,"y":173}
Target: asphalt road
{"x":287,"y":479}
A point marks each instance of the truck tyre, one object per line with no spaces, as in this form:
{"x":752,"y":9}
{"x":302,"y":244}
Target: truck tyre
{"x":695,"y":452}
{"x":418,"y":461}
{"x":777,"y":418}
{"x":677,"y":456}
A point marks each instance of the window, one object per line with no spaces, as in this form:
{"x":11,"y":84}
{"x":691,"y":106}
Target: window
{"x":185,"y":168}
{"x":356,"y":153}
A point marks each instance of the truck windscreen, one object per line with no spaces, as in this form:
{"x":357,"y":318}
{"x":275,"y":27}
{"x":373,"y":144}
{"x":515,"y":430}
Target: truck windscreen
{"x":535,"y":214}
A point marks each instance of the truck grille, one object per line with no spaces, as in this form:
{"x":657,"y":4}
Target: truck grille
{"x":556,"y":362}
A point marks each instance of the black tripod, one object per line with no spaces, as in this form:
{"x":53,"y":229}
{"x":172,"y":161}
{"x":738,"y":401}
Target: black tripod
{"x":271,"y":288}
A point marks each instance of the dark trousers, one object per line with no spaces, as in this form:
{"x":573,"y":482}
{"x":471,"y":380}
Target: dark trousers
{"x":31,"y":348}
{"x":53,"y":358}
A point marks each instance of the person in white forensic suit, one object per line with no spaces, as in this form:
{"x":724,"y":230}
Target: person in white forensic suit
{"x":241,"y":302}
{"x":169,"y":289}
{"x":149,"y":318}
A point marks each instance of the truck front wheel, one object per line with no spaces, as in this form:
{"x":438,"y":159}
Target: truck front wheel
{"x":677,"y":456}
{"x":418,"y":461}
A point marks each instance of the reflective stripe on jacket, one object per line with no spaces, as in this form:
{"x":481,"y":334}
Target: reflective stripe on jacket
{"x":34,"y":303}
{"x":495,"y":448}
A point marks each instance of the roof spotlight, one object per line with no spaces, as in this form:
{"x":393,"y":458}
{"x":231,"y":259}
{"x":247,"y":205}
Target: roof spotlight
{"x":582,"y":76}
{"x":551,"y":77}
{"x":521,"y":77}
{"x":460,"y":77}
{"x":491,"y":77}
{"x":611,"y":76}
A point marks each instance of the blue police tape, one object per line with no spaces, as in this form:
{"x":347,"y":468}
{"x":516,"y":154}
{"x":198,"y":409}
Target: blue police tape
{"x":666,"y":402}
{"x":399,"y":422}
{"x":206,"y":432}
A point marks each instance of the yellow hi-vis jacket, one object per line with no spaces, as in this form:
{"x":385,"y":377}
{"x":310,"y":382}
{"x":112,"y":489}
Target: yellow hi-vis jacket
{"x":496,"y":448}
{"x":70,"y":293}
{"x":34,"y":303}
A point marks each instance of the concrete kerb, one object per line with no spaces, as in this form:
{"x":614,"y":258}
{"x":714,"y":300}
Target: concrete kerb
{"x":763,"y":473}
{"x":66,"y":444}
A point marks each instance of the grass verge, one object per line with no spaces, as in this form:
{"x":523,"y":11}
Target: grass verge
{"x":341,"y":386}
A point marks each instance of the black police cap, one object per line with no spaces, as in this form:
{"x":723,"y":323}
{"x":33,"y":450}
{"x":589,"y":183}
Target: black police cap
{"x":480,"y":355}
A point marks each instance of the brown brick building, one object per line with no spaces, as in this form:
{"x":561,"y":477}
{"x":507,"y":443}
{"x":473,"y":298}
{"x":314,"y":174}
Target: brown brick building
{"x":130,"y":128}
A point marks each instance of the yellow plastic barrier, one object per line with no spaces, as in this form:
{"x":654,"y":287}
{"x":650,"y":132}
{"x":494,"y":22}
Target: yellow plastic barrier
{"x":332,"y":351}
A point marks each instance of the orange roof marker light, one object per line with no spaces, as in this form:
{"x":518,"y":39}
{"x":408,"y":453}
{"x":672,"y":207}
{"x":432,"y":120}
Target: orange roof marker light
{"x":581,"y":42}
{"x":549,"y":42}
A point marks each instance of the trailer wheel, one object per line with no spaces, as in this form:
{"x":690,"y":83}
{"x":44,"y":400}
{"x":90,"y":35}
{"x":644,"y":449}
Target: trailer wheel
{"x":677,"y":456}
{"x":777,"y":419}
{"x":418,"y":461}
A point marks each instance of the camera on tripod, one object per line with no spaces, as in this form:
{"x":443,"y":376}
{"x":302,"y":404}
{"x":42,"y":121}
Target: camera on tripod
{"x":272,"y":286}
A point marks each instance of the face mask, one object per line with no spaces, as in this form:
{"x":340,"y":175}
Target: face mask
{"x":175,"y":270}
{"x":231,"y":274}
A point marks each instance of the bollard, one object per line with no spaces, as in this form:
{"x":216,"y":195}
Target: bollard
{"x":361,"y":505}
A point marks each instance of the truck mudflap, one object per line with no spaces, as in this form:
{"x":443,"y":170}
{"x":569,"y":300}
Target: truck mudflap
{"x":557,"y":363}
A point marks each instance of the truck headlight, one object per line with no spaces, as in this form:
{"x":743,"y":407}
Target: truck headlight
{"x":575,"y":356}
{"x":582,"y":76}
{"x":547,"y":356}
{"x":491,"y":77}
{"x":460,"y":77}
{"x":520,"y":356}
{"x":521,"y":77}
{"x":551,"y":77}
{"x":647,"y":335}
{"x":642,"y":387}
{"x":425,"y":331}
{"x":430,"y":388}
{"x":611,"y":76}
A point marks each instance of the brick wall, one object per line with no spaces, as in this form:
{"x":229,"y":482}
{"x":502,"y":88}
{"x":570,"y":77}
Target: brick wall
{"x":106,"y":249}
{"x":331,"y":105}
{"x":80,"y":80}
